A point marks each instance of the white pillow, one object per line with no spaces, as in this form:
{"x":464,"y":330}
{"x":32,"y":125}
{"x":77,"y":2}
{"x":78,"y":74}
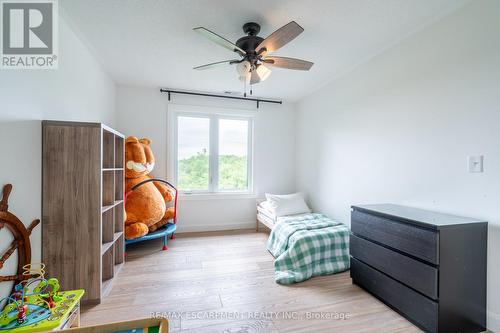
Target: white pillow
{"x":288,"y":204}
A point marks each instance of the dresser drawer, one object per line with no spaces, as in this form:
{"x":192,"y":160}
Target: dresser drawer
{"x":419,"y":242}
{"x":411,"y":272}
{"x":419,"y":309}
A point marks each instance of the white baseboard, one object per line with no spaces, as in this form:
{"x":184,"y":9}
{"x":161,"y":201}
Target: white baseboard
{"x":216,"y":227}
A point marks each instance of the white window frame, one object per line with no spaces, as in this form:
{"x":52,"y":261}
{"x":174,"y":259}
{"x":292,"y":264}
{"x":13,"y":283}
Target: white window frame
{"x":213,"y":114}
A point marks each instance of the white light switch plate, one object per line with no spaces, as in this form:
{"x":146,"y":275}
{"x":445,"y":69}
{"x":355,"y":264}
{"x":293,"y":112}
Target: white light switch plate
{"x":475,"y":163}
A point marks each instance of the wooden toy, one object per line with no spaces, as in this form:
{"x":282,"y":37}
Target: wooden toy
{"x":149,"y":325}
{"x":21,"y":236}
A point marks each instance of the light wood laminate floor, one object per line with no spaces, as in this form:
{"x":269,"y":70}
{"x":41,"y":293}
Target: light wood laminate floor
{"x":223,"y":282}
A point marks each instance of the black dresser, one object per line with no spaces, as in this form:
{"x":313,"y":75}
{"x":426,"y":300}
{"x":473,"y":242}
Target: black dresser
{"x":430,"y":267}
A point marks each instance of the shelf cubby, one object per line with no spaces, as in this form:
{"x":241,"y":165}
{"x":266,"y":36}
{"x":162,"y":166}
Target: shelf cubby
{"x":119,"y":152}
{"x":119,"y":217}
{"x":119,"y":250}
{"x":108,"y":188}
{"x":108,"y":149}
{"x":119,"y":185}
{"x":108,"y":226}
{"x":108,"y":270}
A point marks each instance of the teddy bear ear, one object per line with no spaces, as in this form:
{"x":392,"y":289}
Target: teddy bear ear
{"x":132,"y":139}
{"x":145,"y":141}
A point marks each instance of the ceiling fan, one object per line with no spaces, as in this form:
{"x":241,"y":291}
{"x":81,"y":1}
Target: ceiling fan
{"x":254,"y":62}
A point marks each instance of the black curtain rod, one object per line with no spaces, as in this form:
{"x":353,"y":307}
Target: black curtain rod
{"x":258,"y":100}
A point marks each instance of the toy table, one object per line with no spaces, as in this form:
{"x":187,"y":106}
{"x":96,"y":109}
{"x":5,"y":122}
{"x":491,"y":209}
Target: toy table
{"x":65,"y":314}
{"x":149,"y":325}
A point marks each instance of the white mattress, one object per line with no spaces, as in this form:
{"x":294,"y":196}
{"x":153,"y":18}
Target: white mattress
{"x":266,"y":220}
{"x":266,"y":213}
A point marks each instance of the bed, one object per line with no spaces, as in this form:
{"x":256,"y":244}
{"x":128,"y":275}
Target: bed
{"x":305,"y":244}
{"x":264,"y":215}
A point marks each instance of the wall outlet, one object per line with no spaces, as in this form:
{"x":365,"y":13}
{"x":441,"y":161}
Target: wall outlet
{"x":475,"y":163}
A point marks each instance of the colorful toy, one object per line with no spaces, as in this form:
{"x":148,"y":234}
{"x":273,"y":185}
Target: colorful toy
{"x":37,"y":304}
{"x":146,"y":206}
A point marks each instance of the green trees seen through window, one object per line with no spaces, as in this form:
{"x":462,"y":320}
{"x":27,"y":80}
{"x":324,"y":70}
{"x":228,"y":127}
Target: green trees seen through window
{"x":194,"y":172}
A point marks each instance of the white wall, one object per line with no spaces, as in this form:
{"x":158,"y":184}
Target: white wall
{"x":78,"y":90}
{"x":142,"y":112}
{"x":400,"y":127}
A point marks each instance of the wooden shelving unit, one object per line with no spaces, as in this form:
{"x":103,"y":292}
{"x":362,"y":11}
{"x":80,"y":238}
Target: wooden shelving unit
{"x":83,"y":207}
{"x":112,"y":248}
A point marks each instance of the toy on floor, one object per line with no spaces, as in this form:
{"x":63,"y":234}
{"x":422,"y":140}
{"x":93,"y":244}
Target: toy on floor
{"x":164,"y":231}
{"x":24,"y":301}
{"x":37,"y":304}
{"x":146,"y":208}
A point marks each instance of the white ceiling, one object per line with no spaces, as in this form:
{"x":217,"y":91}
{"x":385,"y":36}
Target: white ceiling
{"x":151,"y":42}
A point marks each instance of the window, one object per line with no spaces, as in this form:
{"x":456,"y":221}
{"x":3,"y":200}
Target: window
{"x":193,"y":153}
{"x":212,"y":152}
{"x":233,"y":154}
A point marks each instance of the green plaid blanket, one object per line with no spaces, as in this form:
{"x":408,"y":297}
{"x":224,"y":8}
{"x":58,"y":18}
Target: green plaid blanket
{"x":308,"y":245}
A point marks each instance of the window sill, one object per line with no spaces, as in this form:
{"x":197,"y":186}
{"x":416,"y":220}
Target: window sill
{"x":216,"y":196}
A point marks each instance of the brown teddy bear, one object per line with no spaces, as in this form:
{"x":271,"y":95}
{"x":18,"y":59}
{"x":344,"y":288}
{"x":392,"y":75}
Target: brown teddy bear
{"x":146,"y":207}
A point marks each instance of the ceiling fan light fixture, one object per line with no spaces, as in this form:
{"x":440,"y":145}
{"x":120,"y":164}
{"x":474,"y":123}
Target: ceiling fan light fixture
{"x":243,"y":69}
{"x":263,"y":72}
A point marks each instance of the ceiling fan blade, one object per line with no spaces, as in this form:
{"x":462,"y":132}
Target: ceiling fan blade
{"x":289,"y":63}
{"x":280,"y":37}
{"x":219,"y":40}
{"x":215,"y":64}
{"x":254,"y":77}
